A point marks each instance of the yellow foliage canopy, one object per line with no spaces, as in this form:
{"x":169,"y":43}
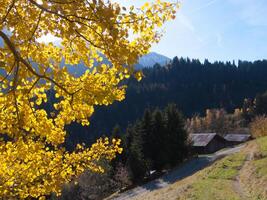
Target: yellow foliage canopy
{"x":33,"y":161}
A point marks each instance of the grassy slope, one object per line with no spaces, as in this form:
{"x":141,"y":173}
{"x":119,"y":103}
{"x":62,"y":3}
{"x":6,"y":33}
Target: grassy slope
{"x":237,"y":177}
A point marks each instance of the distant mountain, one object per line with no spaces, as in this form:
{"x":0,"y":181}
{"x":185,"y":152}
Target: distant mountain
{"x":149,"y":60}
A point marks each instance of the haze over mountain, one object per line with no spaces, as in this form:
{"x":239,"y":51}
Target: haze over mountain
{"x":150,"y":59}
{"x":146,"y":61}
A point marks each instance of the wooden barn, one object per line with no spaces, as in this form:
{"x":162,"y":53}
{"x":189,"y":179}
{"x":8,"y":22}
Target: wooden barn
{"x":206,"y":143}
{"x":234,"y":138}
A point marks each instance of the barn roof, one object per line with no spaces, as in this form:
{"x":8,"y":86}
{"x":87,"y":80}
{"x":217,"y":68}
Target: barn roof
{"x":232,"y":137}
{"x":201,"y":139}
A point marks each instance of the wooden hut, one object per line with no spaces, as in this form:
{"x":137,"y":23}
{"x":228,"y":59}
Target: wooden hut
{"x":235,"y":139}
{"x":206,"y":143}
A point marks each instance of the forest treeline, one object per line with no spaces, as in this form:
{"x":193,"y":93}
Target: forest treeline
{"x":192,"y":85}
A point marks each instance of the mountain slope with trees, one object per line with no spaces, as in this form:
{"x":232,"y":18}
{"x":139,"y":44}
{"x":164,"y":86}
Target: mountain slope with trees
{"x":193,"y":86}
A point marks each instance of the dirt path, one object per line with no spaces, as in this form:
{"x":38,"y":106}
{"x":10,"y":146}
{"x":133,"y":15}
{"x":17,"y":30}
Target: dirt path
{"x":237,"y":184}
{"x":239,"y":189}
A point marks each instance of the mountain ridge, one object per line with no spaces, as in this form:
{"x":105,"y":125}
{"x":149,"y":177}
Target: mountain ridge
{"x":146,"y":61}
{"x":150,"y":59}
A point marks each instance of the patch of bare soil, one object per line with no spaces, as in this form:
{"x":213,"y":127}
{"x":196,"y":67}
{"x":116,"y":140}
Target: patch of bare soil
{"x":238,"y":185}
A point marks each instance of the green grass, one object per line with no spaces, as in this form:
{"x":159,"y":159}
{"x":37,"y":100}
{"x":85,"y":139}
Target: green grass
{"x":261,"y":167}
{"x":227,"y":168}
{"x":212,"y":189}
{"x":261,"y":162}
{"x":216,"y":181}
{"x":262,"y":142}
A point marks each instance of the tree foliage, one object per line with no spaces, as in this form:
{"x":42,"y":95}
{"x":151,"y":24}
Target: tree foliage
{"x":33,"y":160}
{"x":261,"y":104}
{"x":156,"y":141}
{"x":218,"y":121}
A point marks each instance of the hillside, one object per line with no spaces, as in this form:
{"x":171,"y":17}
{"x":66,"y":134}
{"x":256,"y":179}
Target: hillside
{"x":241,"y":176}
{"x":192,"y":85}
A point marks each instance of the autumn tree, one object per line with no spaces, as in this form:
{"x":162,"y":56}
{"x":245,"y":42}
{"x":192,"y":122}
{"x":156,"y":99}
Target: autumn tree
{"x":33,"y":160}
{"x":258,"y":127}
{"x":217,"y":120}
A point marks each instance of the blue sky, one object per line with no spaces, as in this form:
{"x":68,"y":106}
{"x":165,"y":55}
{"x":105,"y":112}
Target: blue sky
{"x":215,"y":29}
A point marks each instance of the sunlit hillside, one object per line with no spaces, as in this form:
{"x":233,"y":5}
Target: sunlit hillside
{"x":236,"y":177}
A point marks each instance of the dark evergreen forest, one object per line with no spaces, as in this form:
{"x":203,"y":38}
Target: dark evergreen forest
{"x":193,"y":86}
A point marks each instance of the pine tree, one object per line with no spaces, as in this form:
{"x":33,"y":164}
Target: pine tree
{"x":176,"y":146}
{"x":261,"y":104}
{"x":135,"y":157}
{"x":157,"y":138}
{"x":146,"y":131}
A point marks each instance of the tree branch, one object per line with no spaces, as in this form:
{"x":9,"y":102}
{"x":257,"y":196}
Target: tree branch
{"x":37,"y":25}
{"x":8,"y":11}
{"x":56,"y":13}
{"x":28,"y":66}
{"x":8,"y":73}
